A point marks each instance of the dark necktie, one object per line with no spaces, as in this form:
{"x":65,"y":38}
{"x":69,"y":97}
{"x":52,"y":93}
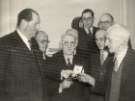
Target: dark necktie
{"x":69,"y":63}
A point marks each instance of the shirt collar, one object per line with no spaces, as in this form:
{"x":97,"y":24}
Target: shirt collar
{"x":24,"y":38}
{"x":87,"y":30}
{"x":119,"y":56}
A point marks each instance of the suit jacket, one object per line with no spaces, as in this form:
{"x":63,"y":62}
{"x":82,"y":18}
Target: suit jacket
{"x":77,"y":92}
{"x":127,"y":89}
{"x":99,"y":72}
{"x":20,"y":75}
{"x":87,"y":44}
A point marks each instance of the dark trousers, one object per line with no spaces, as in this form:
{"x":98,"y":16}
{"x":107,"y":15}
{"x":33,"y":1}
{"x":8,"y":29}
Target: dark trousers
{"x":95,"y":97}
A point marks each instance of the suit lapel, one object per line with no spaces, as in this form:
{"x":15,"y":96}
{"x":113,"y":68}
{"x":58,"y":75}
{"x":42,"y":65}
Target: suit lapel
{"x":21,"y":46}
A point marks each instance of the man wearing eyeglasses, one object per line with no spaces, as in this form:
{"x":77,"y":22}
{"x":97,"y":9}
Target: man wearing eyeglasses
{"x":87,"y":43}
{"x":106,"y":21}
{"x":69,"y":74}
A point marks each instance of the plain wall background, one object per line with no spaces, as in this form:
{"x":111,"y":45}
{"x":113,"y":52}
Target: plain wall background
{"x":56,"y":15}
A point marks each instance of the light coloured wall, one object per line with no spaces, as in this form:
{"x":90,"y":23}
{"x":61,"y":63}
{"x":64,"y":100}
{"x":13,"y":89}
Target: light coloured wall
{"x":56,"y":15}
{"x":131,"y":19}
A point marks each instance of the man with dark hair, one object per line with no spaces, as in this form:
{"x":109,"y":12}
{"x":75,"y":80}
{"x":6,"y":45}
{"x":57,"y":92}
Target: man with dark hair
{"x":20,"y":74}
{"x":87,"y":43}
{"x":25,"y":14}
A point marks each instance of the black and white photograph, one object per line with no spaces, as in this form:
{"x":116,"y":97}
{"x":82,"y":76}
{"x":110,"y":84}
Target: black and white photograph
{"x":67,"y":50}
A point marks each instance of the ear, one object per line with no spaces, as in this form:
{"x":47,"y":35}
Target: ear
{"x":24,"y":23}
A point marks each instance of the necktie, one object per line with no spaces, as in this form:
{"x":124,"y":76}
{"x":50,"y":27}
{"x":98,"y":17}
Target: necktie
{"x":102,"y":57}
{"x":44,"y":56}
{"x":69,"y":64}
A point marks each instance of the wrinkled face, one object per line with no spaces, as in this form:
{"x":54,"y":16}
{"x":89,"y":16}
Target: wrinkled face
{"x":100,"y":40}
{"x":68,"y":44}
{"x":87,"y":20}
{"x":33,"y":25}
{"x":42,"y":41}
{"x":113,"y":44}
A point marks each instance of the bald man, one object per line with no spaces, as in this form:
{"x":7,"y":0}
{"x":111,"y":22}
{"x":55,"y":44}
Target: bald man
{"x":121,"y":82}
{"x":106,"y":20}
{"x":98,"y":68}
{"x":42,"y":41}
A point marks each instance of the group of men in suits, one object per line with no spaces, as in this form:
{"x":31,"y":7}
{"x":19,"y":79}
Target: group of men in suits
{"x":84,"y":69}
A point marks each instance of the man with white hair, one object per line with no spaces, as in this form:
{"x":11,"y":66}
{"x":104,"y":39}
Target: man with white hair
{"x":71,"y":81}
{"x":121,"y":83}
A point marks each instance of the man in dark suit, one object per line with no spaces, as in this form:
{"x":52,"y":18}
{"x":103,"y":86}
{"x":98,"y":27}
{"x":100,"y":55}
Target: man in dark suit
{"x":71,"y":81}
{"x":122,"y":81}
{"x":20,"y":75}
{"x":98,"y":61}
{"x":87,"y":43}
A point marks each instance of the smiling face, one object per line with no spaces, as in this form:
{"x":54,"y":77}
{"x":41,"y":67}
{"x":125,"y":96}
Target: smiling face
{"x":105,"y":22}
{"x":68,"y":44}
{"x":87,"y":20}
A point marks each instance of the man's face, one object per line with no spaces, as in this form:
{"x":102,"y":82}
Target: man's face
{"x":87,"y":20}
{"x":113,"y":44}
{"x":100,"y":40}
{"x":33,"y":25}
{"x":105,"y":22}
{"x":42,"y":41}
{"x":68,"y":44}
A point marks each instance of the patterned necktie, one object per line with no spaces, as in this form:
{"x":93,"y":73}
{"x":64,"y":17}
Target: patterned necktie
{"x":102,"y":57}
{"x":69,"y":64}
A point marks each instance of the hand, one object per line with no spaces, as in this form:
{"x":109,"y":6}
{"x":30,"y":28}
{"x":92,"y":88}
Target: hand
{"x":86,"y":79}
{"x":66,"y":74}
{"x":64,"y":84}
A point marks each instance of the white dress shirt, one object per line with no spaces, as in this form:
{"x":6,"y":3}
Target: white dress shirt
{"x":119,"y":56}
{"x":25,"y":40}
{"x":89,"y":30}
{"x":103,"y":56}
{"x":68,"y":58}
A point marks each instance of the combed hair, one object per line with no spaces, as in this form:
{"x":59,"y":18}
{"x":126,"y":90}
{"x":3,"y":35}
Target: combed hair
{"x":88,"y":10}
{"x":25,"y":14}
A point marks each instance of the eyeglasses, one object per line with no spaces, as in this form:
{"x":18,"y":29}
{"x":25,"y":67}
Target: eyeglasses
{"x":68,"y":43}
{"x":105,"y":22}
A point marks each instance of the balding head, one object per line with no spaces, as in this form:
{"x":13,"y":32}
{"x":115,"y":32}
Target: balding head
{"x":106,"y":21}
{"x":100,"y":38}
{"x":117,"y":38}
{"x":42,"y":40}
